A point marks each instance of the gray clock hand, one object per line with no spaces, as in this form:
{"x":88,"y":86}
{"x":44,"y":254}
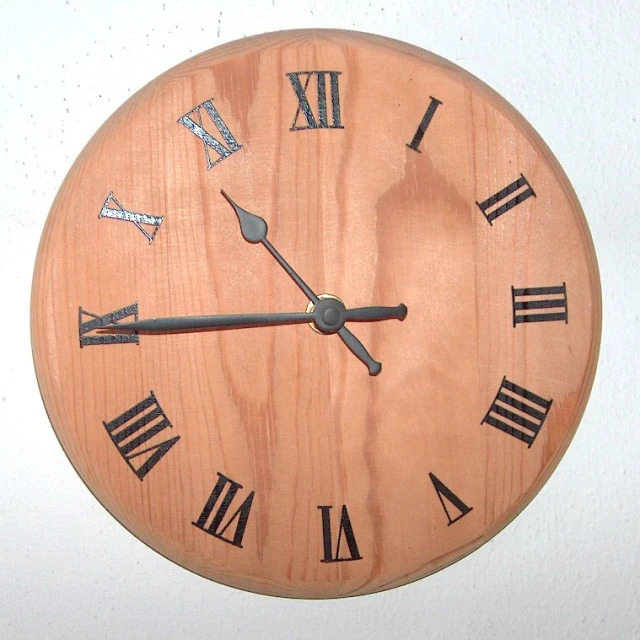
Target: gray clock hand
{"x":254,"y":230}
{"x":333,"y":321}
{"x":190,"y":323}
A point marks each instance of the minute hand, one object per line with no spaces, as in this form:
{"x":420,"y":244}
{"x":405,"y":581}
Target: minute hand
{"x":254,"y":229}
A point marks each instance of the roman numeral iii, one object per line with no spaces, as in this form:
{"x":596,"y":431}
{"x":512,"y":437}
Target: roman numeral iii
{"x":325,"y":82}
{"x":192,"y":120}
{"x":522,"y":190}
{"x":424,"y":124}
{"x":540,"y":304}
{"x":134,"y":435}
{"x":146,"y":224}
{"x":98,"y":322}
{"x":218,"y":525}
{"x":518,"y":412}
{"x":345,"y":531}
{"x":448,"y":499}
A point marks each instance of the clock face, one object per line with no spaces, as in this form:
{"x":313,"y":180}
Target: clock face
{"x":358,"y":173}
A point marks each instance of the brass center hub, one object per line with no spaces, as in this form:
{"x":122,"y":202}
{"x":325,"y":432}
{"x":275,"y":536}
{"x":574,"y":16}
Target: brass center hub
{"x":330,"y":316}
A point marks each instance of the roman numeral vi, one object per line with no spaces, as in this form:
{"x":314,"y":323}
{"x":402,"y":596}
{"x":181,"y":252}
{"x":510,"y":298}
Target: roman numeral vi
{"x":239,"y":519}
{"x":345,"y":530}
{"x":321,"y":120}
{"x":138,"y":427}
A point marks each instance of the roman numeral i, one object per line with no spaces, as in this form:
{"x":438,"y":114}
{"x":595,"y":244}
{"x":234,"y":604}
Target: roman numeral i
{"x":134,"y":429}
{"x":518,"y":412}
{"x":321,"y":119}
{"x":345,"y":531}
{"x":192,"y":120}
{"x":98,"y":322}
{"x":217,"y":527}
{"x":424,"y":124}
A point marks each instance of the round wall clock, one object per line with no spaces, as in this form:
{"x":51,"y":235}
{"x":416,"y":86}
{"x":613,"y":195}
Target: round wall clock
{"x":315,"y":314}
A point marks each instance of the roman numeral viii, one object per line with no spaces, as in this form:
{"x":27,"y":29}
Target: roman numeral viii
{"x":217,"y":526}
{"x":522,"y":190}
{"x":98,"y":322}
{"x":424,"y":124}
{"x":540,"y":304}
{"x":192,"y":120}
{"x":326,"y":82}
{"x":345,"y":530}
{"x":134,"y":434}
{"x":518,"y":412}
{"x":146,"y":224}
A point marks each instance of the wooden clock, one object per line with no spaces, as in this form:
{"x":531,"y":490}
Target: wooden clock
{"x":315,"y":314}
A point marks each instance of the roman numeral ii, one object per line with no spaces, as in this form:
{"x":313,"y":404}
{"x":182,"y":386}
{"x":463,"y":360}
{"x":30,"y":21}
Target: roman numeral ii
{"x":134,"y":434}
{"x":326,"y":82}
{"x":217,"y":526}
{"x":98,"y":322}
{"x":540,"y":304}
{"x":522,"y":190}
{"x":345,"y":530}
{"x":518,"y":412}
{"x":192,"y":120}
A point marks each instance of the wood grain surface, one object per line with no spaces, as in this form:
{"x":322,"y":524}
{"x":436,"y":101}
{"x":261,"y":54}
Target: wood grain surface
{"x":284,"y":412}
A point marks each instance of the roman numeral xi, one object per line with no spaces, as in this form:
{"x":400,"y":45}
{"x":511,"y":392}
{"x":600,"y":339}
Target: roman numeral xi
{"x":146,"y":224}
{"x":85,"y":327}
{"x":134,"y":435}
{"x":540,"y":304}
{"x":518,"y":412}
{"x":214,"y":521}
{"x":345,"y":532}
{"x":522,"y":190}
{"x":325,"y":82}
{"x":192,"y":120}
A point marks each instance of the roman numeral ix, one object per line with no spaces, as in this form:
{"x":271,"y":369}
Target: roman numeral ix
{"x":114,"y":210}
{"x":217,"y":526}
{"x":301,"y":87}
{"x":518,"y":412}
{"x":133,"y":430}
{"x":447,"y":497}
{"x":98,"y":322}
{"x":524,"y":191}
{"x":540,"y":304}
{"x":192,"y":120}
{"x":345,"y":530}
{"x":424,"y":124}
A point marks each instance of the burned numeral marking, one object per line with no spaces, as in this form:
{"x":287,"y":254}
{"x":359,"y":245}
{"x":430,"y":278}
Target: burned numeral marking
{"x":540,"y":304}
{"x":345,"y":531}
{"x":524,"y":191}
{"x":322,"y":119}
{"x":447,"y":497}
{"x":217,"y":527}
{"x":114,"y":210}
{"x":98,"y":322}
{"x":192,"y":120}
{"x":518,"y":412}
{"x":137,"y":427}
{"x":424,"y":124}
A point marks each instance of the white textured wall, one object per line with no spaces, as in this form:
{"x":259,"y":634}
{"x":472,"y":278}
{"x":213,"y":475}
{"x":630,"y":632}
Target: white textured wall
{"x":567,"y":568}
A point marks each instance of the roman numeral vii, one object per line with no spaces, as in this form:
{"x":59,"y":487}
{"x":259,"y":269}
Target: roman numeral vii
{"x":213,"y":520}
